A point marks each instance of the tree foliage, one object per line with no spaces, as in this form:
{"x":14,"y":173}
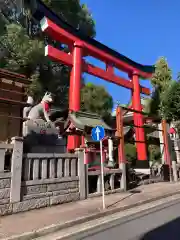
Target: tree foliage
{"x":23,"y":47}
{"x":162,"y":76}
{"x":161,"y":80}
{"x":166,"y":97}
{"x":76,"y":14}
{"x":171,"y":102}
{"x":96,"y":99}
{"x":23,"y":53}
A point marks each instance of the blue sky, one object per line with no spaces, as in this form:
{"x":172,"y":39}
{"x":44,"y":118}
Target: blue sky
{"x":141,"y":30}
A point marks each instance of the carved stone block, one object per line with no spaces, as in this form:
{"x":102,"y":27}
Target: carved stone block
{"x":67,"y":191}
{"x":39,"y":132}
{"x":28,"y":190}
{"x":36,"y":196}
{"x":30,"y":204}
{"x":4,"y":193}
{"x":62,"y":186}
{"x":39,"y":126}
{"x":64,"y":198}
{"x":5,"y":209}
{"x":4,"y":201}
{"x":5,"y":183}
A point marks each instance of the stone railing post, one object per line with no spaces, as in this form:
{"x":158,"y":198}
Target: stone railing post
{"x":16,"y":169}
{"x":83,"y":174}
{"x":174,"y":171}
{"x":123,"y":176}
{"x":172,"y":152}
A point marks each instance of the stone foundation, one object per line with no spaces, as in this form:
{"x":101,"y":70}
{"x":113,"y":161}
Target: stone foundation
{"x":39,"y":194}
{"x":5,"y":183}
{"x":39,"y":180}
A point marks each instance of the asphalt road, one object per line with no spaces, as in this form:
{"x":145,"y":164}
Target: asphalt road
{"x":160,"y":225}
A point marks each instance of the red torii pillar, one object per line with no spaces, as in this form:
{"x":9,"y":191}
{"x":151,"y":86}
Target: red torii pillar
{"x":75,"y":90}
{"x":139,"y":123}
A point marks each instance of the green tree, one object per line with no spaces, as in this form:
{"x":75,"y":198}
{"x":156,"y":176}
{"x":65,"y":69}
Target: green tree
{"x":161,"y":80}
{"x":76,"y":14}
{"x":24,"y":47}
{"x":162,"y":76}
{"x":96,"y":99}
{"x":171,"y":102}
{"x":23,"y":52}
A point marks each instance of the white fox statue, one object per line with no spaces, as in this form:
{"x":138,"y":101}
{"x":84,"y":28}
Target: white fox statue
{"x":39,"y":111}
{"x":37,"y":116}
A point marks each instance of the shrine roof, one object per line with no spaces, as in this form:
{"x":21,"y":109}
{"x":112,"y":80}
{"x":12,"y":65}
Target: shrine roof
{"x":84,"y":119}
{"x":126,"y":129}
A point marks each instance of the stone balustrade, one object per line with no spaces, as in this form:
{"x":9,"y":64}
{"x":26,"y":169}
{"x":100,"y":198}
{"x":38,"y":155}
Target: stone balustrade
{"x":110,"y":177}
{"x":37,"y":180}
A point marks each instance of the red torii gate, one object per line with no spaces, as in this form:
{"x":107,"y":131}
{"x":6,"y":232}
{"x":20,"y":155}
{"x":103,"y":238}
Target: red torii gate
{"x":80,"y":48}
{"x":75,"y":60}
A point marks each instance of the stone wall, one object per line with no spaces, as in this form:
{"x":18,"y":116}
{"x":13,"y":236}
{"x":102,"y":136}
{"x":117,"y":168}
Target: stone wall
{"x":38,"y":194}
{"x":40,"y":180}
{"x":5,"y":183}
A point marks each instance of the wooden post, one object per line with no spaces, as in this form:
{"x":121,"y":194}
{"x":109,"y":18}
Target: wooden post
{"x":121,"y":154}
{"x":165,"y":139}
{"x":167,"y":148}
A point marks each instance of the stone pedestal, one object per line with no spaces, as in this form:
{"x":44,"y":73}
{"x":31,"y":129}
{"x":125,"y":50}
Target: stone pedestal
{"x":42,"y":137}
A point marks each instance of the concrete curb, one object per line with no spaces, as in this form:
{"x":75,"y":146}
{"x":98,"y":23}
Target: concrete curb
{"x":57,"y":227}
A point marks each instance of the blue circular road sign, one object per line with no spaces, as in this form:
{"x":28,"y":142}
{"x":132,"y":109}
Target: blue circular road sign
{"x":98,"y":133}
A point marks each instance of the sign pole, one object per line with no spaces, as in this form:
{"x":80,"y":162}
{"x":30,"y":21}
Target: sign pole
{"x":98,"y":134}
{"x":102,"y":174}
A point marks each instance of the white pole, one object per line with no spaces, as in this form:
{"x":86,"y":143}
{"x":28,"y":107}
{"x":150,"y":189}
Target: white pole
{"x":102,"y":174}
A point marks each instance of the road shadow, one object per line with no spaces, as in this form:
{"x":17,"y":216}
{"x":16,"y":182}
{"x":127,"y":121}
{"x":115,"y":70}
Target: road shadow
{"x":135,"y":191}
{"x":122,"y":199}
{"x":168,"y":231}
